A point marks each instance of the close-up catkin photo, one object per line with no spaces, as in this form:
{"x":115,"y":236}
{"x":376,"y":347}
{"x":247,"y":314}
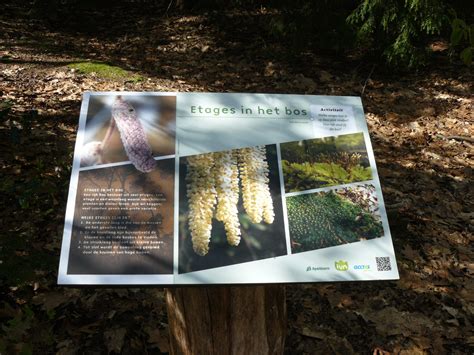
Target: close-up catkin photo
{"x":227,"y":186}
{"x":254,"y":178}
{"x":201,"y":193}
{"x":133,"y":135}
{"x":213,"y":181}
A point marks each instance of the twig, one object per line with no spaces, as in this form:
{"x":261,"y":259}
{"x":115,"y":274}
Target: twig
{"x":461,"y":138}
{"x":168,"y":8}
{"x":367,"y":80}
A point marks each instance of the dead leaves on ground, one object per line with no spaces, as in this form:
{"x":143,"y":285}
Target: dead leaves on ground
{"x":426,"y":177}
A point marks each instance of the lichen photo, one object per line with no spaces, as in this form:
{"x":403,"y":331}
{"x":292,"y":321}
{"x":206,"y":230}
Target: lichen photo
{"x":326,"y":219}
{"x":322,"y":162}
{"x":231,"y":208}
{"x":129,"y":128}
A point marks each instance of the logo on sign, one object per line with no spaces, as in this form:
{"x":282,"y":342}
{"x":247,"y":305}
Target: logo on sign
{"x":341,"y":265}
{"x":317,"y":268}
{"x":361,"y":267}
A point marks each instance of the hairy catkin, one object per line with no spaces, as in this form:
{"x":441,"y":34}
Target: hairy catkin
{"x":256,"y":195}
{"x":91,"y":154}
{"x":227,"y":186}
{"x":212,"y":182}
{"x":201,"y":193}
{"x":133,"y":136}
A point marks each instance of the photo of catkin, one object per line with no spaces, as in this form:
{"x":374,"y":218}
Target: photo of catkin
{"x":331,"y":218}
{"x":322,"y":162}
{"x":135,"y":128}
{"x":230,"y":208}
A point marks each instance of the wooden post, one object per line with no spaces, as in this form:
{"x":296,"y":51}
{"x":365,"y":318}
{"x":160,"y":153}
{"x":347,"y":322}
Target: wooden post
{"x":221,"y":320}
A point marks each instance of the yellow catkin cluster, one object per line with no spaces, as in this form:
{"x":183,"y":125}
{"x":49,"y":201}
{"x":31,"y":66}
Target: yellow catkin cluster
{"x":255,"y":190}
{"x":213,"y":186}
{"x":201,"y":193}
{"x":227,"y":186}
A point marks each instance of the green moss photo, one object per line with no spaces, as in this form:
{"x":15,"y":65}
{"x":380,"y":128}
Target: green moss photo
{"x":322,"y":162}
{"x":331,"y":218}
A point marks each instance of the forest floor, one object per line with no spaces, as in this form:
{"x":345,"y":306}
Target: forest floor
{"x":421,"y":125}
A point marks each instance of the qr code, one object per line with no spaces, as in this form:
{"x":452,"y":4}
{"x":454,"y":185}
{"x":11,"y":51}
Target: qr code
{"x":383,"y":263}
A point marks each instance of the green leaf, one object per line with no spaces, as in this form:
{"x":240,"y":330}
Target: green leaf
{"x":456,"y":36}
{"x":466,"y":55}
{"x":471,"y":35}
{"x":330,"y":170}
{"x":359,"y":173}
{"x":325,"y":219}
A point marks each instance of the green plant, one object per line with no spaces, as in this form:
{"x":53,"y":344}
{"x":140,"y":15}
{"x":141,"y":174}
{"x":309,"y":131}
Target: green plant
{"x":306,"y":176}
{"x":327,"y":161}
{"x":326,"y":219}
{"x":399,"y":28}
{"x":462,"y":38}
{"x":306,"y":23}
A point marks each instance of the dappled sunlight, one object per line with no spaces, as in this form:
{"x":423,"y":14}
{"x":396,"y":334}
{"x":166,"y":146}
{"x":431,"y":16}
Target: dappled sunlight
{"x":420,"y":124}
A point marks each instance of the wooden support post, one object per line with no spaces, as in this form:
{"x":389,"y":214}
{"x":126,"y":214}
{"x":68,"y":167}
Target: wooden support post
{"x":221,"y":320}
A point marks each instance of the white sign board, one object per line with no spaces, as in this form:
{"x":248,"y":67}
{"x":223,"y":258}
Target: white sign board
{"x":201,"y":188}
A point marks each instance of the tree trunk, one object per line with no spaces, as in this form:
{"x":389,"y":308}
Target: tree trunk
{"x":227,"y":320}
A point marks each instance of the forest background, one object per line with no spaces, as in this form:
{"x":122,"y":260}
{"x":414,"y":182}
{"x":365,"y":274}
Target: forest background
{"x":409,"y":60}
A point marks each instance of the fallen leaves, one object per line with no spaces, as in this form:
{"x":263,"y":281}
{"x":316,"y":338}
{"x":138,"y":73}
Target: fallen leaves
{"x":114,"y":339}
{"x":390,"y":321}
{"x":422,"y":132}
